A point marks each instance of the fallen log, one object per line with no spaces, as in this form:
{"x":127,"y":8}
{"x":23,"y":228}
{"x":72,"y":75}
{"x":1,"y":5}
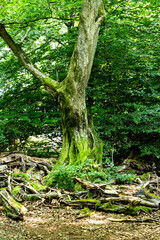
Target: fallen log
{"x":132,"y":220}
{"x":94,"y":204}
{"x":90,"y":203}
{"x":88,"y":185}
{"x":23,"y":163}
{"x":12,"y":208}
{"x":154,"y":203}
{"x":97,"y":189}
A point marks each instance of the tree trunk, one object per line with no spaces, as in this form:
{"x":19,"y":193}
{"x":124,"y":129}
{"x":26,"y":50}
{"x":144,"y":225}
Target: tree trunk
{"x":80,"y":141}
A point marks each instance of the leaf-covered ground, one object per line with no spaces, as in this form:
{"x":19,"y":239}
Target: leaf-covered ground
{"x":63,"y":224}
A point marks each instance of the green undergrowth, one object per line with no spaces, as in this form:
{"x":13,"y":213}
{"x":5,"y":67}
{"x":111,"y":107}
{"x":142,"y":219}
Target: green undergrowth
{"x":40,"y":148}
{"x":31,"y":180}
{"x":61,"y":176}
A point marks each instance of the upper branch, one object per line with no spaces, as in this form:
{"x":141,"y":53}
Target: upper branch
{"x":51,"y":84}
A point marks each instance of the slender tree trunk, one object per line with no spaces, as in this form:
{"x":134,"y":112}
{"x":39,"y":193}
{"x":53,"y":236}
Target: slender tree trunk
{"x":80,"y":141}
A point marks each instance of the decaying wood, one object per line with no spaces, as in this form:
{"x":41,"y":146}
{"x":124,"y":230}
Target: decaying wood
{"x":154,"y":203}
{"x":23,"y":163}
{"x":90,"y":203}
{"x":12,"y":208}
{"x":102,"y":188}
{"x":10,"y":190}
{"x":88,"y":185}
{"x":106,"y":197}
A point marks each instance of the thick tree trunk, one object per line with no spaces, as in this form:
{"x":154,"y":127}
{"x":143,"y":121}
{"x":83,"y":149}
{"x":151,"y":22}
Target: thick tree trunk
{"x":79,"y":138}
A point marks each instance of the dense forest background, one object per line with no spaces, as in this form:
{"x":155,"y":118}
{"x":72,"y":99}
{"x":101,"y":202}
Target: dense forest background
{"x":123,"y":93}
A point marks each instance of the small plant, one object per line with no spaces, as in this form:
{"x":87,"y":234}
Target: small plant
{"x":61,"y":177}
{"x":16,"y":190}
{"x":125,"y":178}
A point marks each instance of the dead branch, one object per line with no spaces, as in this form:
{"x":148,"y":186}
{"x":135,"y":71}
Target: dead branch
{"x":132,"y":220}
{"x":48,"y":196}
{"x":90,"y":203}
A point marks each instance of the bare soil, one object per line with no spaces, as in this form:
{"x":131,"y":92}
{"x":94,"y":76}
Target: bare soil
{"x":62,"y":224}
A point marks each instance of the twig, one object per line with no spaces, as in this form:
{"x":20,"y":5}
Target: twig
{"x":25,"y":36}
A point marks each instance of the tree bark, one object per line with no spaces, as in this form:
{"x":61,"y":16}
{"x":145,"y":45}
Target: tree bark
{"x":80,"y":141}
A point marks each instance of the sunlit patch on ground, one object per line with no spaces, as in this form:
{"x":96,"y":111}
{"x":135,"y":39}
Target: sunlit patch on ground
{"x":62,"y":224}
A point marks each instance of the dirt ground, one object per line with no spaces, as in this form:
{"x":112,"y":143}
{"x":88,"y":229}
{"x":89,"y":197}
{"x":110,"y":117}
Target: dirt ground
{"x":62,"y":224}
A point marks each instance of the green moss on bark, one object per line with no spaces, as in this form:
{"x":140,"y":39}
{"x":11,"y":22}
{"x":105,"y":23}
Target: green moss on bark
{"x":125,"y":209}
{"x":78,"y":151}
{"x":31,"y":198}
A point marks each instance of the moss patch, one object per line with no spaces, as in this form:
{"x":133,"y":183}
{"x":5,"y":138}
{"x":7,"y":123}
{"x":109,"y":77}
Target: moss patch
{"x":125,"y":209}
{"x":31,"y":198}
{"x":22,"y":175}
{"x":16,"y":190}
{"x":38,"y":186}
{"x":152,"y":195}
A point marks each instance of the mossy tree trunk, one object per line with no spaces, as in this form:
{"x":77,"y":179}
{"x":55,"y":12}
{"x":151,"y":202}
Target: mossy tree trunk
{"x":79,"y":138}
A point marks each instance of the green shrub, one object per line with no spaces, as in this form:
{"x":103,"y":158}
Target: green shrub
{"x":61,"y":176}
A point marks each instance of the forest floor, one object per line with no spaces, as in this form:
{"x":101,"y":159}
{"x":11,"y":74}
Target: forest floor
{"x":48,"y":222}
{"x":51,"y":223}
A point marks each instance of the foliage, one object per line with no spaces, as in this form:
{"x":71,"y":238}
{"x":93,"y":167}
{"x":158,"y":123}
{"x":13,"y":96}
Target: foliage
{"x":125,"y":101}
{"x":26,"y":108}
{"x":22,"y":116}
